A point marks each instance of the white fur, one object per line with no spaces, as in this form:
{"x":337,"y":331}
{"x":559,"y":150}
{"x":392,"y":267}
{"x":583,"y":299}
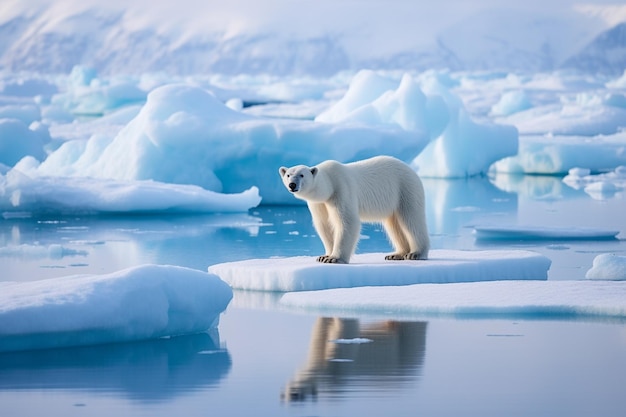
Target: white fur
{"x":380,"y":189}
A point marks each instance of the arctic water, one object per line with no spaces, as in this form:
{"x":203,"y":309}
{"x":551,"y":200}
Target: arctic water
{"x":265,"y":359}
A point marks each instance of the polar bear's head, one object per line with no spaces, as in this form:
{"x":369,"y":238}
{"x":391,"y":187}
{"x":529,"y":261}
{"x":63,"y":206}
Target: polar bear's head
{"x":298,"y":179}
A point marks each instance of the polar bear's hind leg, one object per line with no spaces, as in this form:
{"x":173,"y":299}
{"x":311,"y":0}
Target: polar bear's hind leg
{"x":397,"y":236}
{"x":413,"y":224}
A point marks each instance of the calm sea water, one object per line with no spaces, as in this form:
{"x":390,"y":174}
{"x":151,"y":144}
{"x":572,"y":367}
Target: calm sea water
{"x":264,"y":360}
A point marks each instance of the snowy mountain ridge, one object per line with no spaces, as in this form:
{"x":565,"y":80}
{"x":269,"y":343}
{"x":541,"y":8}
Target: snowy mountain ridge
{"x":54,"y":37}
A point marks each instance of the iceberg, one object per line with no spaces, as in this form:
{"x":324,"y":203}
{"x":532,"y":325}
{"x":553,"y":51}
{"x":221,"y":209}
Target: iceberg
{"x":185,"y":135}
{"x":18,"y":139}
{"x":459,"y":146}
{"x":374,"y":99}
{"x":608,"y":266}
{"x":142,"y":302}
{"x":510,"y":299}
{"x":91,"y":96}
{"x":305,"y":274}
{"x":177,"y":130}
{"x":466,"y":148}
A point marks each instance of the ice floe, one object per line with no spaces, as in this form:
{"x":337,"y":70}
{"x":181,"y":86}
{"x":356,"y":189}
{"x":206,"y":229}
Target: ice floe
{"x":143,"y":302}
{"x":304,"y":273}
{"x":608,"y":266}
{"x":524,"y":299}
{"x":578,"y":178}
{"x":511,"y":232}
{"x":49,"y":194}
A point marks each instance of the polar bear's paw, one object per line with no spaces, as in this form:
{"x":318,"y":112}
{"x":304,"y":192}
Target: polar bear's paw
{"x":415,"y":256}
{"x":412,"y":256}
{"x":327,"y":259}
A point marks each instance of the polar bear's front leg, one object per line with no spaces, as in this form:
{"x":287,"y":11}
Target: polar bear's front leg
{"x":323,"y":227}
{"x":346,"y":226}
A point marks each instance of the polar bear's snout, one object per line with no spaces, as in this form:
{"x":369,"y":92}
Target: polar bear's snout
{"x":295,"y":177}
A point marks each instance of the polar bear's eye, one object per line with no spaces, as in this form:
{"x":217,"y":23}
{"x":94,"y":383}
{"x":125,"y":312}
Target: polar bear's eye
{"x":301,"y":175}
{"x":288,"y":175}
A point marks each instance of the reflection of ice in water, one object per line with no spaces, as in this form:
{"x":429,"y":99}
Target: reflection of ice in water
{"x":347,"y":356}
{"x":31,"y":252}
{"x":451,"y":203}
{"x":155,"y":370}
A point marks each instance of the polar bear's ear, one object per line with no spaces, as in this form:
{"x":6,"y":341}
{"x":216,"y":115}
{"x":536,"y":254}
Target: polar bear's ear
{"x":314,"y":171}
{"x":282,"y":171}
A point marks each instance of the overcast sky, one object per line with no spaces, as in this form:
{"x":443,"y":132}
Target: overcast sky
{"x":361,"y":23}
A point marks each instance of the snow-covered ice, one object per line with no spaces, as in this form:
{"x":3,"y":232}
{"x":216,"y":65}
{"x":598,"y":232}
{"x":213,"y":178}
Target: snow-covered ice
{"x":459,"y":147}
{"x":143,"y":302}
{"x":612,"y":181}
{"x":525,"y":299}
{"x":178,"y":130}
{"x":585,"y":115}
{"x":53,"y":251}
{"x":528,"y":232}
{"x":64,"y":195}
{"x":185,"y":135}
{"x":608,"y":266}
{"x":466,"y":147}
{"x":19,"y":139}
{"x":511,"y":102}
{"x":548,"y":154}
{"x":91,"y":96}
{"x":305,"y":274}
{"x":373,"y":98}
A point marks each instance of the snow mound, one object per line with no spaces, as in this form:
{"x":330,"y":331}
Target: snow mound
{"x":144,"y":302}
{"x":540,"y":232}
{"x":305,"y":274}
{"x":526,"y":299}
{"x":608,"y":266}
{"x":19,"y":192}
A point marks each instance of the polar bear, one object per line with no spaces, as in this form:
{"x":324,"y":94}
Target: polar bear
{"x":379,"y":189}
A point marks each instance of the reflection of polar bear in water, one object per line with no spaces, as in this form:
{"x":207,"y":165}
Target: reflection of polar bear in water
{"x":384,"y":355}
{"x":380,"y":189}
